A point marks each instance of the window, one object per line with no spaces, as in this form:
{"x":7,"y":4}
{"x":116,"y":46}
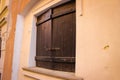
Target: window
{"x":55,"y":43}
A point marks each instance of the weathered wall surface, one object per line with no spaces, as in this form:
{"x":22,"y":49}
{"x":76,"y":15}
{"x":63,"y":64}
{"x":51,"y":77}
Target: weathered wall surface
{"x":97,"y":46}
{"x":2,"y":4}
{"x":14,"y":9}
{"x":98,"y":41}
{"x":23,"y":4}
{"x":9,"y":45}
{"x":3,"y":31}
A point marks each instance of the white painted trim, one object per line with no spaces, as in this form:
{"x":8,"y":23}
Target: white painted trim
{"x":32,"y":44}
{"x":17,"y":46}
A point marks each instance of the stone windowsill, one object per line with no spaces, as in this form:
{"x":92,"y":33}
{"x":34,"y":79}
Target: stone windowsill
{"x":53,"y":73}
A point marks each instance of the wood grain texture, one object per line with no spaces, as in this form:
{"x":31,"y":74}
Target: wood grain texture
{"x":56,"y":38}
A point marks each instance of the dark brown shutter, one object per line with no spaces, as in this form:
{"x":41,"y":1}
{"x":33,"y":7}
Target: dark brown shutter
{"x":64,"y":37}
{"x":56,"y":38}
{"x":43,"y":55}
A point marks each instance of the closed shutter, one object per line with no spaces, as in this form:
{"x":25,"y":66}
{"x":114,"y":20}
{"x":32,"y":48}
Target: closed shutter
{"x":64,"y":37}
{"x":43,"y":55}
{"x":56,"y":38}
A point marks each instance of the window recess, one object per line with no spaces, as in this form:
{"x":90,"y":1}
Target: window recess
{"x":56,"y":31}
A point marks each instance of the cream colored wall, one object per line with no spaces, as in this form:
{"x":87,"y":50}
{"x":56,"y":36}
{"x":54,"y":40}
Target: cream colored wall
{"x":2,"y":4}
{"x":98,"y":41}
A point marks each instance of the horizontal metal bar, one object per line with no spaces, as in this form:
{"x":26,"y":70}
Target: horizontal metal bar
{"x":52,"y":49}
{"x":55,"y":59}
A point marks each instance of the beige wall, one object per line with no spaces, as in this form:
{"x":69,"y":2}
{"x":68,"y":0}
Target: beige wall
{"x":98,"y":41}
{"x":2,"y":4}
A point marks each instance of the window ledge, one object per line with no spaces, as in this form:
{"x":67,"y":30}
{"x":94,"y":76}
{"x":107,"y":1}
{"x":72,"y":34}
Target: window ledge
{"x":53,"y":73}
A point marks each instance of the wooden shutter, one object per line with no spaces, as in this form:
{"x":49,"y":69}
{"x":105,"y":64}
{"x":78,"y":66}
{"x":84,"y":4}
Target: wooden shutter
{"x":56,"y":38}
{"x":64,"y":37}
{"x":43,"y":55}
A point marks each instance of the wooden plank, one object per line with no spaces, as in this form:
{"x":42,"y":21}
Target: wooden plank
{"x":60,"y":8}
{"x":44,"y":17}
{"x":43,"y":39}
{"x":63,"y":12}
{"x":64,"y":35}
{"x":64,"y":31}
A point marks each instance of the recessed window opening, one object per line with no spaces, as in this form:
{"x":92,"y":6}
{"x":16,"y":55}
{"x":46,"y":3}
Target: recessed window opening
{"x":56,"y":38}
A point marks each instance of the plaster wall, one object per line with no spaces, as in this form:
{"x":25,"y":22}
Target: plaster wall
{"x":98,"y":41}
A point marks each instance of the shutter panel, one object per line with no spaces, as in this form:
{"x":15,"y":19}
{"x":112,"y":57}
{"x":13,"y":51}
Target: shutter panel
{"x":64,"y":37}
{"x":44,"y":17}
{"x":43,"y":41}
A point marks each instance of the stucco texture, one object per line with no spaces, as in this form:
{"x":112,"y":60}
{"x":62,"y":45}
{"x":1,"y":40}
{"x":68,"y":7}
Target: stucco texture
{"x":98,"y":41}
